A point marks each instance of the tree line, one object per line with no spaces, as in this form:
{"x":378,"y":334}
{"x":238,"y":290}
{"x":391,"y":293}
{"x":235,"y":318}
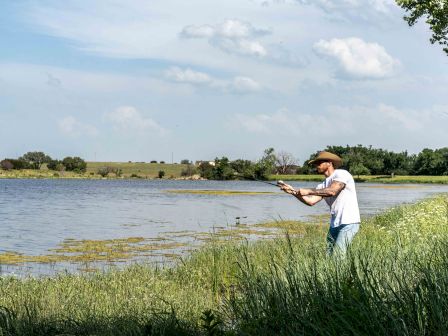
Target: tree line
{"x":361,"y":160}
{"x":358,"y":160}
{"x":35,"y":160}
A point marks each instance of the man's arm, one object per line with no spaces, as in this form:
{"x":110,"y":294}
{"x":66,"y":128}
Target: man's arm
{"x":308,"y":200}
{"x":333,"y":190}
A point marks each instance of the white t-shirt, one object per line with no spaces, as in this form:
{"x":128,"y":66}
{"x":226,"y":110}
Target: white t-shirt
{"x":343,"y":207}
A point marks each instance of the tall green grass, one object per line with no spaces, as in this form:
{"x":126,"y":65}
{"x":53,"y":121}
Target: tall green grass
{"x":393,"y":281}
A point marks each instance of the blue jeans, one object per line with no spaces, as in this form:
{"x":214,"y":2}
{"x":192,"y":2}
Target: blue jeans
{"x":339,"y":238}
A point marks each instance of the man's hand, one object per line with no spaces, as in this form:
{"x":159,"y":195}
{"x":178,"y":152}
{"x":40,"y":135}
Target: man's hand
{"x":286,"y":187}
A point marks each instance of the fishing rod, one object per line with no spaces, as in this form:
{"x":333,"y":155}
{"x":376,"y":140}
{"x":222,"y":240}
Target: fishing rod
{"x":257,"y":180}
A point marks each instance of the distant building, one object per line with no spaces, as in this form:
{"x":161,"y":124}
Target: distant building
{"x":198,"y":163}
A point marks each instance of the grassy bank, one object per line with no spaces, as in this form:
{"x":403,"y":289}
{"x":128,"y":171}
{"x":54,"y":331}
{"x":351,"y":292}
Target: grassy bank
{"x":394,"y":281}
{"x":368,"y":178}
{"x":128,"y":170}
{"x":151,"y":170}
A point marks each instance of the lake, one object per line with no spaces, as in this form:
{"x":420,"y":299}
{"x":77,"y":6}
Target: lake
{"x":37,"y":215}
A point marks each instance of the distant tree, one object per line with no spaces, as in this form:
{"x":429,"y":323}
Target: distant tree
{"x":19,"y":164}
{"x":162,"y":162}
{"x":266,"y":165}
{"x":223,"y":170}
{"x":432,"y":162}
{"x":161,"y":174}
{"x":359,"y":169}
{"x":75,"y":164}
{"x":185,"y":161}
{"x":6,"y":164}
{"x":243,"y":168}
{"x":35,"y":159}
{"x":284,"y":162}
{"x":206,"y":170}
{"x":436,"y":14}
{"x":190,"y":170}
{"x":56,"y":165}
{"x":153,"y":161}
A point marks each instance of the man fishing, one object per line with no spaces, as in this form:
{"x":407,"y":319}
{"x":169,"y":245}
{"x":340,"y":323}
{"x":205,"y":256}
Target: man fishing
{"x":338,"y":190}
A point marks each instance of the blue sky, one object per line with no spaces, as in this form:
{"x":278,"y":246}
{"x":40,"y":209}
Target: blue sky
{"x":151,"y":80}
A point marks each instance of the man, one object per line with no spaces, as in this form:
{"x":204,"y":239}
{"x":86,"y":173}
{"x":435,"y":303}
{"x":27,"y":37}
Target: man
{"x":338,"y":190}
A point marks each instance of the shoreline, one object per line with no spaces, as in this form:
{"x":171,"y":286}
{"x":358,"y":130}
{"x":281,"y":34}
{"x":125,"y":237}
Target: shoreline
{"x":303,"y":178}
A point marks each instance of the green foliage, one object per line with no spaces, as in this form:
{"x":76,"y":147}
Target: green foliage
{"x":359,"y":169}
{"x":368,"y":160}
{"x":56,"y":165}
{"x":432,"y":162}
{"x":436,"y":14}
{"x":35,"y":159}
{"x":185,"y":161}
{"x":161,"y":174}
{"x":266,"y":165}
{"x":75,"y":164}
{"x":18,"y":164}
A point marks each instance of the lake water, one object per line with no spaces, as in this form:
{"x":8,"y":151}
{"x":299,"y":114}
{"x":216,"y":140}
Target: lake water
{"x":36,"y":215}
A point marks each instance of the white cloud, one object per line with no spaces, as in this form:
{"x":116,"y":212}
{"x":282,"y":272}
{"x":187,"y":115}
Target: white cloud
{"x":128,"y":119}
{"x":245,"y":84}
{"x":232,"y":36}
{"x":357,"y":58}
{"x":187,"y":76}
{"x":71,"y":127}
{"x":239,"y":84}
{"x":361,"y":123}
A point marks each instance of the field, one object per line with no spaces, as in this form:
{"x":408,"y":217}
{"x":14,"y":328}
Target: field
{"x":393,"y":281}
{"x":146,"y":170}
{"x":128,"y":170}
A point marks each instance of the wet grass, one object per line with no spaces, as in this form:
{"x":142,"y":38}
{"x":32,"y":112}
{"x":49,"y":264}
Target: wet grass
{"x":394,"y":281}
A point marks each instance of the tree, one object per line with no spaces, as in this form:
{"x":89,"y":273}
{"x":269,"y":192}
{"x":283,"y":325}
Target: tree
{"x":359,"y":169}
{"x":56,"y":165}
{"x":436,"y":14}
{"x":185,"y":161}
{"x":35,"y":159}
{"x":284,"y":161}
{"x":222,"y":169}
{"x":266,"y":165}
{"x":75,"y":164}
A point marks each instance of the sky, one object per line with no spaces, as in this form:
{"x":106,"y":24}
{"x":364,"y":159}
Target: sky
{"x":134,"y":80}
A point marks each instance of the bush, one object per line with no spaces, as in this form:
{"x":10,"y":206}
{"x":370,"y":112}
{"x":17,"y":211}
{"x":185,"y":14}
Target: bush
{"x":104,"y":171}
{"x":75,"y":164}
{"x":153,"y":161}
{"x":18,"y":164}
{"x":162,"y":162}
{"x":161,"y":174}
{"x":185,"y":161}
{"x":6,"y":165}
{"x":189,"y":171}
{"x":56,"y":165}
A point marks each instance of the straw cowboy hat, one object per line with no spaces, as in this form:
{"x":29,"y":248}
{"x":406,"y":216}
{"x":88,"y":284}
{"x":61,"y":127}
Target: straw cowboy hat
{"x":327,"y":156}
